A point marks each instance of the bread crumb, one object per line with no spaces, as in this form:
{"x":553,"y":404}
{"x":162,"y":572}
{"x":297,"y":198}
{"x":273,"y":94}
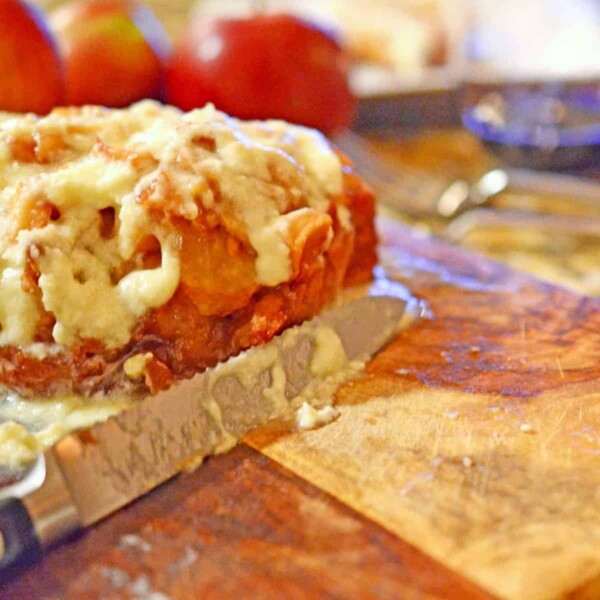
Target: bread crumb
{"x":308,"y":417}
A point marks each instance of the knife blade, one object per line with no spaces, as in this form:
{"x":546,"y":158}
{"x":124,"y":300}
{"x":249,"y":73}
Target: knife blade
{"x":91,"y":473}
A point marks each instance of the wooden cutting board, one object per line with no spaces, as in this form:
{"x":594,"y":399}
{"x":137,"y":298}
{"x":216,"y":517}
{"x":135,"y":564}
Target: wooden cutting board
{"x":465,"y":464}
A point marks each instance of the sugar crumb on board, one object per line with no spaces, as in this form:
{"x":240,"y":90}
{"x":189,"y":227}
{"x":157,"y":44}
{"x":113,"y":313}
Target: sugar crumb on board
{"x":308,"y":417}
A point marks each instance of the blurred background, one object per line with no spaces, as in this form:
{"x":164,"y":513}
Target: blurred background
{"x":475,"y":120}
{"x":523,"y":38}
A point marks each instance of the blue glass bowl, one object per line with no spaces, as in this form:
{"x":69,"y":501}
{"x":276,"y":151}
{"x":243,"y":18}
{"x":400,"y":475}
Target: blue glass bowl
{"x":548,"y":129}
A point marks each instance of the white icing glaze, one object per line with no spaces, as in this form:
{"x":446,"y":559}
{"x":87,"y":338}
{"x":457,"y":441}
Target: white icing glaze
{"x":164,"y":155}
{"x":53,"y":418}
{"x":329,"y":355}
{"x":134,"y":366}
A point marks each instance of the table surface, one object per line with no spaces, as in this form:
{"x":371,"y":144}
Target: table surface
{"x":465,"y":464}
{"x":427,"y":487}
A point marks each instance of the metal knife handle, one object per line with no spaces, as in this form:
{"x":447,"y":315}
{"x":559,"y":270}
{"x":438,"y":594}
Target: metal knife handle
{"x":35,"y":513}
{"x":19,"y":543}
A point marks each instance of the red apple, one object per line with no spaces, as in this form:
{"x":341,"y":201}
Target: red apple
{"x":265,"y":66}
{"x":113,"y":51}
{"x":30,"y":68}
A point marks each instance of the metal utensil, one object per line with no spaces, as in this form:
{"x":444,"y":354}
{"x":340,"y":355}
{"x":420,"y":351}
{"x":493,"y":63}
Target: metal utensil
{"x":423,"y":195}
{"x":578,"y":189}
{"x":484,"y":218}
{"x":406,"y":190}
{"x":90,"y":474}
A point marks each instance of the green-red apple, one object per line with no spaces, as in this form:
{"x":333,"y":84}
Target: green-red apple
{"x":113,"y":51}
{"x":30,"y":68}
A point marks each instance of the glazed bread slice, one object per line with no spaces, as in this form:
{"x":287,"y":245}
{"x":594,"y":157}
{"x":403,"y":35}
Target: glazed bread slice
{"x":143,"y":245}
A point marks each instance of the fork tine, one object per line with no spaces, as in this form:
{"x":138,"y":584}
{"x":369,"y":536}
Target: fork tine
{"x":401,"y":188}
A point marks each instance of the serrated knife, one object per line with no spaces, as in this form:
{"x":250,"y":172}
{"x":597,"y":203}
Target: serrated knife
{"x":91,"y":473}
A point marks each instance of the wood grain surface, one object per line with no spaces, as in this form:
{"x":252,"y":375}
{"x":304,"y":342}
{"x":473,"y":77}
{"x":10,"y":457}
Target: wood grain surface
{"x":240,"y":527}
{"x":468,"y":452}
{"x":466,"y":459}
{"x":475,"y":435}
